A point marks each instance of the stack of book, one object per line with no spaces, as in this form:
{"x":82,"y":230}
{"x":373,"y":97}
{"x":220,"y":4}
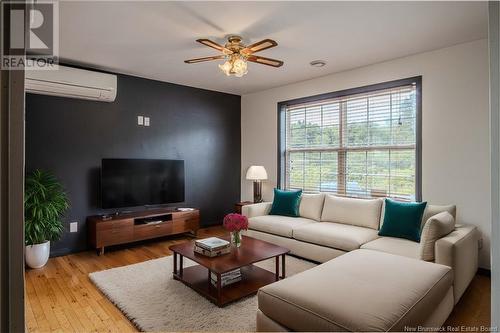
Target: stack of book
{"x":212,"y":247}
{"x":226,"y":278}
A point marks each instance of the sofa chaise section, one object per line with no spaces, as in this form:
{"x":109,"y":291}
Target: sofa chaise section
{"x":363,"y":290}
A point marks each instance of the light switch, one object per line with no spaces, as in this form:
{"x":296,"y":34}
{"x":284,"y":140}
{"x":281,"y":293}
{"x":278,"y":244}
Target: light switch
{"x":140,"y":120}
{"x":146,"y":121}
{"x":73,"y":227}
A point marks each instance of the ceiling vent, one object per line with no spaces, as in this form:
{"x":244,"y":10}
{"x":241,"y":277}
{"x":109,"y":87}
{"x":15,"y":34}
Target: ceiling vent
{"x":317,"y":63}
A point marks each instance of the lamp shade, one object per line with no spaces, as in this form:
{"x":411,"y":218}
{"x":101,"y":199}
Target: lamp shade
{"x":256,"y":172}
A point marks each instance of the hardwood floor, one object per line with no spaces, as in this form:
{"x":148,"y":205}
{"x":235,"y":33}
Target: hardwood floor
{"x":474,"y":308}
{"x":61,"y":298}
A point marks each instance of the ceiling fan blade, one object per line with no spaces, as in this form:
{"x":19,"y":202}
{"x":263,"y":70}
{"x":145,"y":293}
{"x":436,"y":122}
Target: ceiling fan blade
{"x":259,"y":46}
{"x":214,"y":45}
{"x":265,"y":61}
{"x":194,"y":61}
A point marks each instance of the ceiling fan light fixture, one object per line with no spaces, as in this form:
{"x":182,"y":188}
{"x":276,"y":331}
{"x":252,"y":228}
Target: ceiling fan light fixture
{"x":226,"y":68}
{"x":235,"y":65}
{"x":240,"y":67}
{"x":237,"y":55}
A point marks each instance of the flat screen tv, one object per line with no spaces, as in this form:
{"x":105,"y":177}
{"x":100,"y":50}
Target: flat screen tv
{"x":141,"y":182}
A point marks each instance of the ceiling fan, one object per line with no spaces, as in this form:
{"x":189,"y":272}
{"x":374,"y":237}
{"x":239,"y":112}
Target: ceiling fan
{"x":237,"y":54}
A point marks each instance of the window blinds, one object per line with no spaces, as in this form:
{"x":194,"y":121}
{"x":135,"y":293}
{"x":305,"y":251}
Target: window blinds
{"x":361,"y":145}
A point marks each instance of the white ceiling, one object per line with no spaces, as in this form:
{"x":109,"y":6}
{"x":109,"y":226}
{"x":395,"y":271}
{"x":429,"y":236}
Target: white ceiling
{"x":151,"y":39}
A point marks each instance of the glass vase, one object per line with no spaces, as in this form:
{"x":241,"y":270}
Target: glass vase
{"x":236,"y":238}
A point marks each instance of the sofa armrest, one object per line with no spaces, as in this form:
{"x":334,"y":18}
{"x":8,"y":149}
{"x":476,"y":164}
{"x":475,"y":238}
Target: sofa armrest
{"x":459,"y":250}
{"x":258,"y":209}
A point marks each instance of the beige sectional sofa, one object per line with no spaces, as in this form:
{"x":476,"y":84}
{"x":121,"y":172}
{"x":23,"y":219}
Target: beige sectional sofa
{"x":442,"y":265}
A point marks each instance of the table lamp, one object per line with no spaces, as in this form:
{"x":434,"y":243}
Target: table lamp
{"x":257,"y":173}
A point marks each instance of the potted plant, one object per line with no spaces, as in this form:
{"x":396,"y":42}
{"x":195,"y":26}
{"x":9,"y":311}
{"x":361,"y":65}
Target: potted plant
{"x":45,"y":201}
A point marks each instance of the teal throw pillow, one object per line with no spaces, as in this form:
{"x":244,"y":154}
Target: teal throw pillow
{"x":402,"y":219}
{"x":286,"y":203}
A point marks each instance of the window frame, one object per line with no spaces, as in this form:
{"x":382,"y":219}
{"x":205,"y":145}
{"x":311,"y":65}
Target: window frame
{"x":416,"y":80}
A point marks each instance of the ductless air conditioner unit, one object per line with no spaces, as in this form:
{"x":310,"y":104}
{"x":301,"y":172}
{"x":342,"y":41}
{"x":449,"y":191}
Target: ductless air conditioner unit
{"x":72,"y":83}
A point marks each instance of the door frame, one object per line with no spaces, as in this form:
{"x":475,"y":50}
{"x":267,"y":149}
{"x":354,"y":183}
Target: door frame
{"x":494,"y":55}
{"x":12,"y":107}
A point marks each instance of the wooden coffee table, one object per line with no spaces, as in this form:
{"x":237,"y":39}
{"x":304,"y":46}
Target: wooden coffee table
{"x":251,"y":251}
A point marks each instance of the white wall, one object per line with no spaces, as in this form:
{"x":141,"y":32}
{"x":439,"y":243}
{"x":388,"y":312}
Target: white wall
{"x":455,"y":128}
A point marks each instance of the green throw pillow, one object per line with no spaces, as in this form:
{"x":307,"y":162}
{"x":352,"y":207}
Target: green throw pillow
{"x":286,"y":203}
{"x":402,"y":219}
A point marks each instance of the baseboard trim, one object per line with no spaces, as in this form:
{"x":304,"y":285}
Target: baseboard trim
{"x":484,"y":271}
{"x":63,"y":251}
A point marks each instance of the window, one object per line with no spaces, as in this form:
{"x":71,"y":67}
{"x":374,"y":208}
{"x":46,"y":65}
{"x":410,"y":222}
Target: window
{"x":362,"y":142}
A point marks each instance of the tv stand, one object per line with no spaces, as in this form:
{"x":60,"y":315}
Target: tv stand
{"x":123,"y":228}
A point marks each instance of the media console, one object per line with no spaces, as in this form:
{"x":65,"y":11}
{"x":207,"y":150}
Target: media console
{"x":135,"y":226}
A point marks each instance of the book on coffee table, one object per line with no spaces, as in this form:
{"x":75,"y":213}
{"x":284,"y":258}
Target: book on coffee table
{"x":226,"y":278}
{"x":212,"y":243}
{"x":213,"y":253}
{"x":225,"y":283}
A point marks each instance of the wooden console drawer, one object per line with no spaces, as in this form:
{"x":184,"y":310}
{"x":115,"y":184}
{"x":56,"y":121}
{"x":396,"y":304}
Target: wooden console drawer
{"x":115,"y":236}
{"x":187,"y":214}
{"x":118,"y":224}
{"x":185,"y":225}
{"x":152,"y":231}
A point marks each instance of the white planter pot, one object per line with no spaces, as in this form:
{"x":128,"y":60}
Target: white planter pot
{"x":37,"y":255}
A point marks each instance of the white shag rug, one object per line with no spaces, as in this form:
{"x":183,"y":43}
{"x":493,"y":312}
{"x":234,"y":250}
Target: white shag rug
{"x":148,"y":295}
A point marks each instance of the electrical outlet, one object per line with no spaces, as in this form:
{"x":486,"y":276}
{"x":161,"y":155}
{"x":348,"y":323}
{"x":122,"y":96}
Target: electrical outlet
{"x":480,"y":243}
{"x":146,"y":121}
{"x":140,"y":120}
{"x":73,"y":227}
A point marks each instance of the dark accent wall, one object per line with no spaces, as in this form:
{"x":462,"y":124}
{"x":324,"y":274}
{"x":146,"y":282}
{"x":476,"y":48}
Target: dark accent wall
{"x":70,"y":137}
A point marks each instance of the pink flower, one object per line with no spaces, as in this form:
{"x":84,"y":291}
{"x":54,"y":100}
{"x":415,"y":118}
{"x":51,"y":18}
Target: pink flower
{"x":235,"y":222}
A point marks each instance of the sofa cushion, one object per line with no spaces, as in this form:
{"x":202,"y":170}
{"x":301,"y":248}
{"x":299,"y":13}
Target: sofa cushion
{"x":333,"y":296}
{"x":336,"y":235}
{"x":311,"y":206}
{"x":436,"y":227}
{"x":276,"y":224}
{"x":432,"y":210}
{"x":286,"y":203}
{"x":359,"y":212}
{"x":399,"y":246}
{"x":402,"y":219}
